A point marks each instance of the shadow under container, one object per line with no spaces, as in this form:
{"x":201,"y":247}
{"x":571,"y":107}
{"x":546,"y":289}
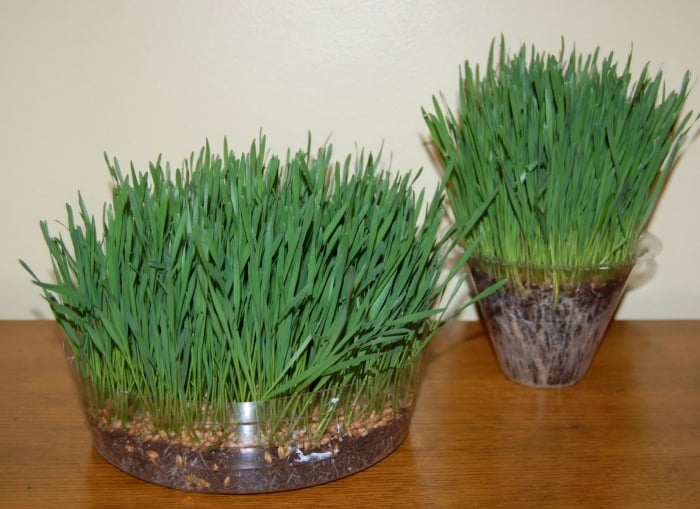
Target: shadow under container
{"x":546,"y":323}
{"x":255,"y":447}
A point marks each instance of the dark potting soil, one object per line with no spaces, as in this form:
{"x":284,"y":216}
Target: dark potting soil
{"x":543,"y":339}
{"x":247,"y":470}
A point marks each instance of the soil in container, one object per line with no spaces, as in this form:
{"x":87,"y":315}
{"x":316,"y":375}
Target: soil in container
{"x":547,"y":336}
{"x":210,"y":461}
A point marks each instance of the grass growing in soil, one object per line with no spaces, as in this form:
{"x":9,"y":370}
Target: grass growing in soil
{"x":575,"y":149}
{"x":247,"y":277}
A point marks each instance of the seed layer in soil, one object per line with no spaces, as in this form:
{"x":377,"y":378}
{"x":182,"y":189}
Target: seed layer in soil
{"x":248,"y":469}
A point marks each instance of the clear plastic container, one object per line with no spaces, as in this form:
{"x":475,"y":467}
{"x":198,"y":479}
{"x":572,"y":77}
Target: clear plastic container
{"x":256,"y":447}
{"x":546,"y":334}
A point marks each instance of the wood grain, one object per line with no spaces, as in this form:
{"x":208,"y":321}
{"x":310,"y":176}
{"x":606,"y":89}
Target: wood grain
{"x":627,"y":436}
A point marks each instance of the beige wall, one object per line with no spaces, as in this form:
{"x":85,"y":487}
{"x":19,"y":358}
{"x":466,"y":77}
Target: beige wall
{"x":139,"y":78}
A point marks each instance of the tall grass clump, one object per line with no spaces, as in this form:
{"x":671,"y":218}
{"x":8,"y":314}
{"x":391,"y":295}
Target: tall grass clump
{"x":575,"y":149}
{"x":247,"y":277}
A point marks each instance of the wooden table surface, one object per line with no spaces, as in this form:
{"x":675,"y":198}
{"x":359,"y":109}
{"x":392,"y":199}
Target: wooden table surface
{"x":627,"y":436}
